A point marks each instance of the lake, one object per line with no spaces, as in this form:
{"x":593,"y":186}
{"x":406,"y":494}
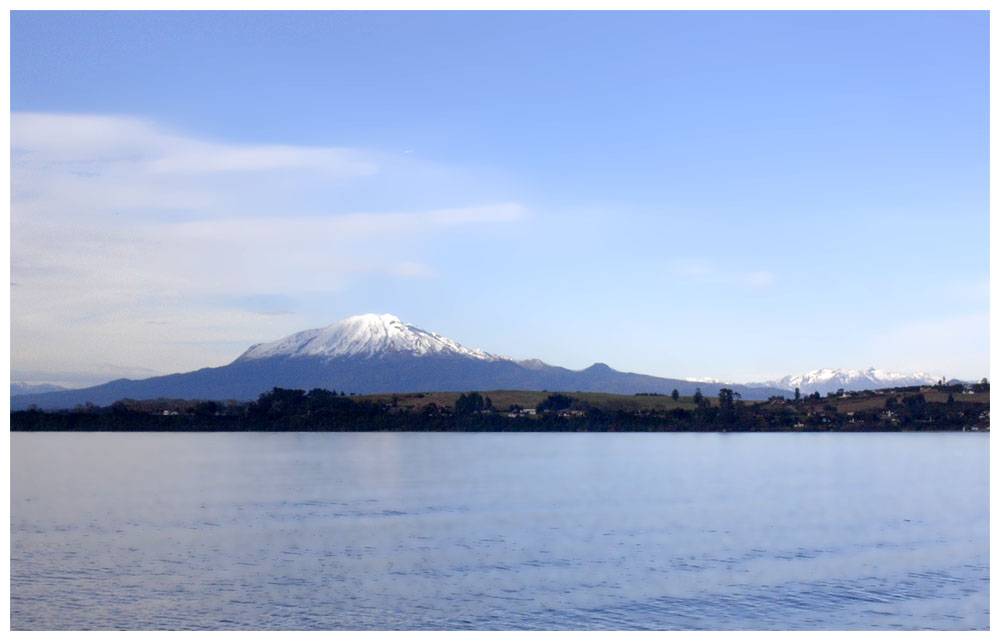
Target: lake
{"x":416,"y":531}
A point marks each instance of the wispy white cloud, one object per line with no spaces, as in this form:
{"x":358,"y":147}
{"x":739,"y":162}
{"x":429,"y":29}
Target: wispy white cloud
{"x":90,"y":144}
{"x":409,"y":269}
{"x":233,"y":255}
{"x":71,"y":165}
{"x":708,"y":273}
{"x":116,"y":222}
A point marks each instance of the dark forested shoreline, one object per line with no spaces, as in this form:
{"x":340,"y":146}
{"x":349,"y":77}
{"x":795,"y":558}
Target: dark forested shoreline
{"x":938,"y":408}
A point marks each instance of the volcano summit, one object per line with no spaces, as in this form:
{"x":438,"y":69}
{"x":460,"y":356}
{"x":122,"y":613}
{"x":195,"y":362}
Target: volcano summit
{"x":370,"y":354}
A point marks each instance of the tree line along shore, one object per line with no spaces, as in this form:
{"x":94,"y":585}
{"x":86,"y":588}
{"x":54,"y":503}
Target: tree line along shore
{"x":957,"y":407}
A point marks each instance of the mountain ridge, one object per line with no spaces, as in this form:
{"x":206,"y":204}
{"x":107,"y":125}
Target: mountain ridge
{"x":378,"y":353}
{"x":830,"y":380}
{"x":18,"y":388}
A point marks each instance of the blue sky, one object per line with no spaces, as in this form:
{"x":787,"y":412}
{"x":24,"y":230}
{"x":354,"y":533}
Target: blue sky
{"x":738,"y":195}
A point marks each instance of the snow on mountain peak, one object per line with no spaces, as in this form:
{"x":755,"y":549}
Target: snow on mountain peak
{"x":828,"y":380}
{"x":714,"y":381}
{"x":365,"y":336}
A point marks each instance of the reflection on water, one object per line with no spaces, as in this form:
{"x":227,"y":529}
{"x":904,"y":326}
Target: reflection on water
{"x":499,"y":531}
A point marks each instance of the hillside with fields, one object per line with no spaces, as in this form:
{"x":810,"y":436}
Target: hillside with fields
{"x":929,"y":408}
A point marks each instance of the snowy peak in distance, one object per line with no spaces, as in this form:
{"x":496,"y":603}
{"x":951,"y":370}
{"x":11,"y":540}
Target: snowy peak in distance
{"x":364,"y":336}
{"x":714,"y":381}
{"x":33,"y":388}
{"x":830,"y":380}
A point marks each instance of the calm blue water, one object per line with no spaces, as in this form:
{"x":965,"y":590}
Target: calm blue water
{"x":499,"y":531}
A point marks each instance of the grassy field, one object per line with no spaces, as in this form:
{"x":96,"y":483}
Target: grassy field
{"x":503,"y":399}
{"x":860,"y":403}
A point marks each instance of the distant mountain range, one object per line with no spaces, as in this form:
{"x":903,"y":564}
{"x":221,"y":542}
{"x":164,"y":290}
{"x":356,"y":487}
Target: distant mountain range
{"x":33,"y":388}
{"x":831,"y":380}
{"x":378,"y":353}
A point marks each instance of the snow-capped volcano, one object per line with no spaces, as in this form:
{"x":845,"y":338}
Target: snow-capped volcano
{"x":830,"y":380}
{"x":364,"y":336}
{"x":374,"y":354}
